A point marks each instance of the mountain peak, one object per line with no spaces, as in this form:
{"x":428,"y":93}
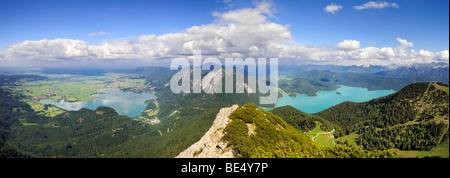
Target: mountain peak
{"x":246,"y":131}
{"x":211,"y":144}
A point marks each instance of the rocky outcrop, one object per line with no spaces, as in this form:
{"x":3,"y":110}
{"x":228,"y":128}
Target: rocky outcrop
{"x":210,"y":145}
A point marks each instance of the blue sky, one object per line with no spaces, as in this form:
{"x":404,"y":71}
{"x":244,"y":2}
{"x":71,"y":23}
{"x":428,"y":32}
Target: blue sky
{"x":423,"y":23}
{"x":35,"y":20}
{"x":426,"y":23}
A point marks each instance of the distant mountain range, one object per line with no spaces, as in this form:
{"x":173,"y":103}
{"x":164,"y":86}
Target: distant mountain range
{"x":370,"y":77}
{"x":341,"y":69}
{"x":371,"y":69}
{"x":414,"y":118}
{"x":436,"y":73}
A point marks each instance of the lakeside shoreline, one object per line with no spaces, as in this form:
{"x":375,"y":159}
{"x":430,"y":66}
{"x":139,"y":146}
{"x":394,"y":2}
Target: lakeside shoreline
{"x":314,"y":104}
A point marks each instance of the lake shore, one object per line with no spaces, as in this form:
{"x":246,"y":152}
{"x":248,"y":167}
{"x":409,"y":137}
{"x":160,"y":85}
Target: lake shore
{"x":327,"y":99}
{"x":125,"y":103}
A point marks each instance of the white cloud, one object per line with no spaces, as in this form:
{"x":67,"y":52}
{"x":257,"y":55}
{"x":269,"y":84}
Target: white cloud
{"x":116,"y":49}
{"x":393,"y":55}
{"x":247,"y":16}
{"x":333,"y":8}
{"x":395,"y":5}
{"x":376,"y":5}
{"x":100,"y":33}
{"x":234,"y":32}
{"x":229,"y":2}
{"x":348,"y":45}
{"x":442,"y":55}
{"x":58,"y":49}
{"x":387,"y":52}
{"x":404,"y":43}
{"x":242,"y":33}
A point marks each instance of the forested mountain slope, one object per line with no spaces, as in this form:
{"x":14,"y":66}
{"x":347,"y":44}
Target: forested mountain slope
{"x":414,"y":118}
{"x":184,"y":119}
{"x":256,"y":133}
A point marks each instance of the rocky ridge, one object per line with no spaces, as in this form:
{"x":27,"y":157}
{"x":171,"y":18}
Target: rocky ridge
{"x":210,"y":145}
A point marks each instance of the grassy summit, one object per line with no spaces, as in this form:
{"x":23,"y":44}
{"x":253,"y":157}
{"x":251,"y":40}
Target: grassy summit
{"x":257,"y":133}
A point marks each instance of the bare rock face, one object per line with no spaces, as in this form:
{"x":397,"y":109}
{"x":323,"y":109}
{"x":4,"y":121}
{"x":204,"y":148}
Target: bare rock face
{"x":210,"y":145}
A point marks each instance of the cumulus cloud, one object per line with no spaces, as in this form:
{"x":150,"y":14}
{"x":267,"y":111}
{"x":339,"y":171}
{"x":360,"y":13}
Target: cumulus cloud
{"x":235,"y":32}
{"x":398,"y":55}
{"x":404,"y":43}
{"x":58,"y":49}
{"x":376,"y":5}
{"x":333,"y":8}
{"x":100,"y":33}
{"x":348,"y":45}
{"x":241,"y":33}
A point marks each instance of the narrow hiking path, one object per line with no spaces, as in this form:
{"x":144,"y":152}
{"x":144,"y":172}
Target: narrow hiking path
{"x":421,"y":109}
{"x":445,"y":121}
{"x":330,"y":132}
{"x":425,"y":94}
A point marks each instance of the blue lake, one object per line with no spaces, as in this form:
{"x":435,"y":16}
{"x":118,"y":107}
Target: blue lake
{"x":125,"y":103}
{"x":326,"y":99}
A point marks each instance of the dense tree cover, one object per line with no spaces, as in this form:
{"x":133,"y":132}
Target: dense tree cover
{"x":8,"y":119}
{"x":301,"y":120}
{"x":83,"y":133}
{"x":151,"y":104}
{"x":407,"y":137}
{"x":10,"y":110}
{"x":186,"y":117}
{"x":304,"y":86}
{"x":184,"y":120}
{"x":270,"y":131}
{"x":382,"y":112}
{"x":274,"y":137}
{"x":99,"y":133}
{"x":293,"y":150}
{"x":385,"y":123}
{"x":382,"y":122}
{"x":168,"y":139}
{"x":11,"y":79}
{"x":440,"y":107}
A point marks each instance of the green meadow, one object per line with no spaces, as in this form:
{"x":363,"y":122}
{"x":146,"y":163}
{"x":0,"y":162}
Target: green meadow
{"x":74,"y":87}
{"x":321,"y":137}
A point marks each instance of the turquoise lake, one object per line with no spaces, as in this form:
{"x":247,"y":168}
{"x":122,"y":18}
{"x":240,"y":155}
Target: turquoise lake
{"x":326,"y":99}
{"x":125,"y":103}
